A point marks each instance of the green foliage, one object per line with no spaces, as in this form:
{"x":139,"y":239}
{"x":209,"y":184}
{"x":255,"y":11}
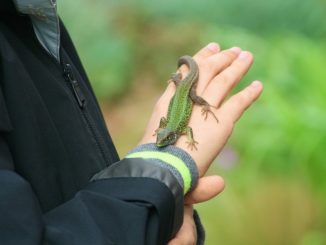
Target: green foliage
{"x":106,"y":56}
{"x":287,"y":127}
{"x":277,"y":181}
{"x":260,"y":16}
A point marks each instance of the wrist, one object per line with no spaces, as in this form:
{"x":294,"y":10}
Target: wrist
{"x":175,"y":159}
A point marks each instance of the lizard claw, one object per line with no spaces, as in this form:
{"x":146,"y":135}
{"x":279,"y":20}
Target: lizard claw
{"x":192,"y":144}
{"x":205,"y":110}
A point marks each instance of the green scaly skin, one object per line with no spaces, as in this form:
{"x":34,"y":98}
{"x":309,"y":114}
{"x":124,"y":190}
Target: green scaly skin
{"x":180,"y":107}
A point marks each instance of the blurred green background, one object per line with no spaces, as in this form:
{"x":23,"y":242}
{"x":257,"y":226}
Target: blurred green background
{"x":274,"y":165}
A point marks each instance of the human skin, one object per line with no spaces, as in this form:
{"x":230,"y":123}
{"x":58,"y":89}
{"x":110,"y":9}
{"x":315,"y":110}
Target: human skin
{"x":219,"y":72}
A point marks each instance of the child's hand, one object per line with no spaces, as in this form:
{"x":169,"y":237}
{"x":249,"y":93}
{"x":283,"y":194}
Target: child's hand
{"x":219,"y":72}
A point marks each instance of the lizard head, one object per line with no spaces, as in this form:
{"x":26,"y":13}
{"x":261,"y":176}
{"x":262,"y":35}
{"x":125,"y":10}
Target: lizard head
{"x":165,"y":137}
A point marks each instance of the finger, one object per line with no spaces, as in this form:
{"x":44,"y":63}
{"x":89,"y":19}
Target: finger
{"x":210,"y":49}
{"x":207,"y":188}
{"x":187,"y":235}
{"x":222,"y":84}
{"x":201,"y":55}
{"x":214,"y":65}
{"x":211,"y":66}
{"x":234,"y":107}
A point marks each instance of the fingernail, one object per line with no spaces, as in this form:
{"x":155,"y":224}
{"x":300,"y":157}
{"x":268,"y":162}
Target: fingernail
{"x":256,"y":84}
{"x":236,"y":50}
{"x":213,"y":47}
{"x":243,"y":55}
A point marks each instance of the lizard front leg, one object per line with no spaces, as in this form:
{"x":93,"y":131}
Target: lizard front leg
{"x":200,"y":101}
{"x":163,"y":123}
{"x":176,"y":79}
{"x":191,"y":142}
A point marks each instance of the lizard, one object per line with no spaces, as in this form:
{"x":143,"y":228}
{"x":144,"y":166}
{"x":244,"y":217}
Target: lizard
{"x":180,"y":107}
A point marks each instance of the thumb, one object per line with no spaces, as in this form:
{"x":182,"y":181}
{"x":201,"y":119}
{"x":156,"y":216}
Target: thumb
{"x":207,"y":188}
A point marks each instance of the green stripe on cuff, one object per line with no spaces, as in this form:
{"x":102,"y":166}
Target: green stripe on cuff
{"x":169,"y":159}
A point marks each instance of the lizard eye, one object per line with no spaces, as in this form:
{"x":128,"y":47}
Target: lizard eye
{"x":172,"y":137}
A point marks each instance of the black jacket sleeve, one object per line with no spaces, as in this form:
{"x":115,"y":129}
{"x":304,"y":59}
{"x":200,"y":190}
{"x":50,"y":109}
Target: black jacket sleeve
{"x":108,"y":211}
{"x":50,"y":148}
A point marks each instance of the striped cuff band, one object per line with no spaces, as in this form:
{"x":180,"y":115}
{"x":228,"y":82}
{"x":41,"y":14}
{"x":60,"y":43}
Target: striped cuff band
{"x":172,"y":158}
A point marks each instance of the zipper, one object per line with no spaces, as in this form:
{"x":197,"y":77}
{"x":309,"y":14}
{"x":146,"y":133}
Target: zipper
{"x":69,"y":76}
{"x":82,"y":103}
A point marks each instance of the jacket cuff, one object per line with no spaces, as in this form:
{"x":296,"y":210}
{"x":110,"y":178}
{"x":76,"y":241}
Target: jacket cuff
{"x":176,"y":160}
{"x":138,"y":168}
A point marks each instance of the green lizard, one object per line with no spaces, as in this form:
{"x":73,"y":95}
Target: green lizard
{"x":180,"y":107}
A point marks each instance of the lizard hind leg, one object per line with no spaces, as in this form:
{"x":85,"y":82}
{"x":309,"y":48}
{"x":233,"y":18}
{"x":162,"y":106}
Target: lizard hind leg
{"x":206,"y":108}
{"x":191,"y":142}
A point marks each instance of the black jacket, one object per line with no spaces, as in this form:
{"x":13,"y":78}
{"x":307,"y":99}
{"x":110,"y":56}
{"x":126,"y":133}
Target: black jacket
{"x":53,"y":139}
